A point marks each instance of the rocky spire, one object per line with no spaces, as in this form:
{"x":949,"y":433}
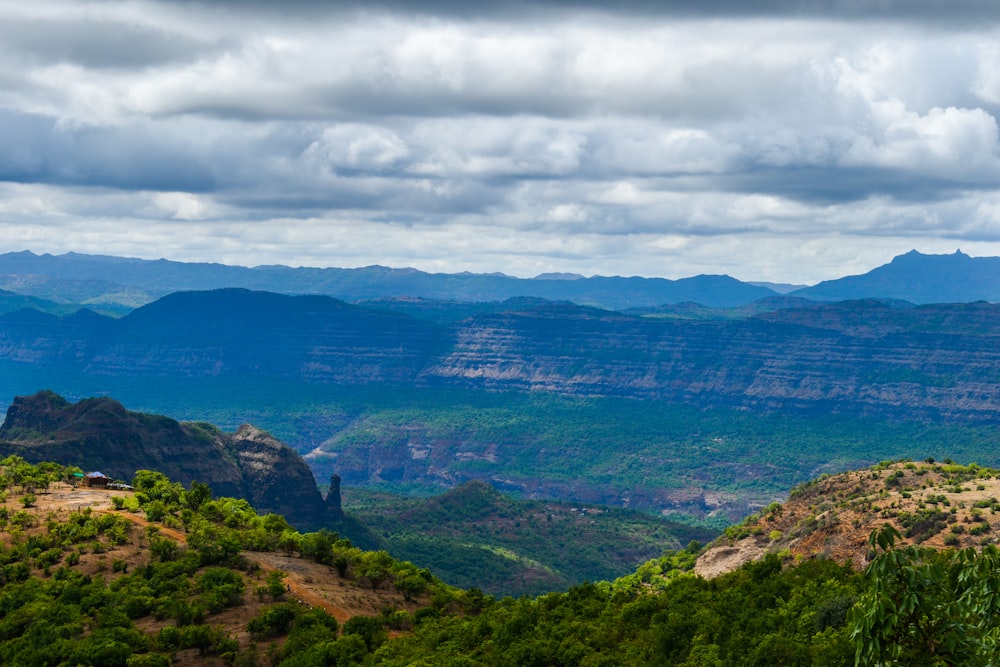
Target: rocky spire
{"x":334,"y":510}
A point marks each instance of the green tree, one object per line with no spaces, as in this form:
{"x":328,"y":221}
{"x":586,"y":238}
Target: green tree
{"x":276,"y":584}
{"x":199,"y":494}
{"x":925,"y":607}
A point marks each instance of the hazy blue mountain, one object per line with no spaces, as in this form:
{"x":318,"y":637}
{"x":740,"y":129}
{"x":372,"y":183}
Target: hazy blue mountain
{"x":115,"y":284}
{"x":868,"y":356}
{"x":98,"y":278}
{"x":11,"y":301}
{"x":238,"y":332}
{"x":780,"y":288}
{"x":918,"y":278}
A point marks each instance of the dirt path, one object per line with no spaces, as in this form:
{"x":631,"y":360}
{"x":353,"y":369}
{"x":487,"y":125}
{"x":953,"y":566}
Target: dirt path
{"x":296,"y":587}
{"x":310,"y":583}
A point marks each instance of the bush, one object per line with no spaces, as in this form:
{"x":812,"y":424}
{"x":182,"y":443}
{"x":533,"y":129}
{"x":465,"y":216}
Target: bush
{"x":274,"y":621}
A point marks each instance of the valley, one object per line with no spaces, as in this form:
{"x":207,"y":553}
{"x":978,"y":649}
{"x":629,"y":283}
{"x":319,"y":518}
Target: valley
{"x":591,"y":432}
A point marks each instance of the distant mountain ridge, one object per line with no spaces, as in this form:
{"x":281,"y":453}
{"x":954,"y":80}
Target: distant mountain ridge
{"x":94,"y":277}
{"x":115,"y":284}
{"x":917,"y":278}
{"x":863,"y":357}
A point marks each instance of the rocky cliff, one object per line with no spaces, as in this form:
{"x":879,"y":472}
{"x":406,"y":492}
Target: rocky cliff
{"x":868,"y":357}
{"x":100,"y":434}
{"x":861,"y":357}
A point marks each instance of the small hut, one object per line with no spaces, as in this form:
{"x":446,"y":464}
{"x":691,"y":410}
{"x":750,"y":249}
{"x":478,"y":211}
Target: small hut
{"x":96,"y":480}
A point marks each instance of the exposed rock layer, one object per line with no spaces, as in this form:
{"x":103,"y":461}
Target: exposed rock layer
{"x":863,"y":357}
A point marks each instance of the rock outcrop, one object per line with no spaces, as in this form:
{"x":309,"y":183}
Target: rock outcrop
{"x":275,"y":478}
{"x":334,"y":506}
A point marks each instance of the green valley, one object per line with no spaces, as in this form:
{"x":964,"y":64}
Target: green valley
{"x":473,"y":536}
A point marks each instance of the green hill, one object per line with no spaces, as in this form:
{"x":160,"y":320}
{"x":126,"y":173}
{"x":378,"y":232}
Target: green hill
{"x":474,"y":536}
{"x":164,"y":575}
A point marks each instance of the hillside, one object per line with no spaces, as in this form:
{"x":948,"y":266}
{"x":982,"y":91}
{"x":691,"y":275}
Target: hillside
{"x":474,"y":536}
{"x":168,"y":575}
{"x":939,"y":505}
{"x":171,"y":576}
{"x":100,"y":434}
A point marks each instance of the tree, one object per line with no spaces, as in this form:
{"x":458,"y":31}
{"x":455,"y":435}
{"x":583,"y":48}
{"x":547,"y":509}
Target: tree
{"x":376,"y":567}
{"x":318,"y":546}
{"x":275,"y":584}
{"x":925,"y":607}
{"x":411,"y":585}
{"x":199,"y":494}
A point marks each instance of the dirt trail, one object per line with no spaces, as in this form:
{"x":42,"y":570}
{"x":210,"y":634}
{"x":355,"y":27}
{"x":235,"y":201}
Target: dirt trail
{"x":311,"y":583}
{"x":296,"y":587}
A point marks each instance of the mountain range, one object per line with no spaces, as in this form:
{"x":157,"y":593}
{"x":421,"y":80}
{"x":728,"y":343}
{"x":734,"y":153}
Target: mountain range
{"x":861,"y":357}
{"x":115,"y":284}
{"x":543,"y":398}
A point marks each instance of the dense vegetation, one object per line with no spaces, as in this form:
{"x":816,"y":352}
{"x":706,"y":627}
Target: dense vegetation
{"x":69,"y":599}
{"x":610,"y":451}
{"x":476,"y":536}
{"x":94,"y":612}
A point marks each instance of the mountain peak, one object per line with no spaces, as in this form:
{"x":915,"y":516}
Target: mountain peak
{"x":916,"y":255}
{"x":919,"y":279}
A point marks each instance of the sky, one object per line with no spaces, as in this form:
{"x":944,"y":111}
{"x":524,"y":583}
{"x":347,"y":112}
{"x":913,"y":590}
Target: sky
{"x":785,"y":141}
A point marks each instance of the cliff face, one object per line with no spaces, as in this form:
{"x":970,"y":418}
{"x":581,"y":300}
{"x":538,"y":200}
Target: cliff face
{"x":863,"y":357}
{"x":275,"y":478}
{"x":100,"y":434}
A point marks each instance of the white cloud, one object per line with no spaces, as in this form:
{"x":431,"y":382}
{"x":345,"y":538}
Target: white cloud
{"x":949,"y":143}
{"x":589,"y":141}
{"x":355,"y":146}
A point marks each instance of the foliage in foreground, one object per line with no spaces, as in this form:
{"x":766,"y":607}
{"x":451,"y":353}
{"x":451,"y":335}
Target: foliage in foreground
{"x":928,"y":607}
{"x":913,"y":606}
{"x":68,"y":597}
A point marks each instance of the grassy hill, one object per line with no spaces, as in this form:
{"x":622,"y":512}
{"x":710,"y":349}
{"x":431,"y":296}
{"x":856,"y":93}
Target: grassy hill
{"x":938,"y":504}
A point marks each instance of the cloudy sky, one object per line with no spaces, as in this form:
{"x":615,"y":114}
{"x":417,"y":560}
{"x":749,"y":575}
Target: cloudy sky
{"x":794,"y":142}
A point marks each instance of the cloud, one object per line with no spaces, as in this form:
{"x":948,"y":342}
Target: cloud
{"x":520,"y":137}
{"x":97,"y":43}
{"x":956,"y":11}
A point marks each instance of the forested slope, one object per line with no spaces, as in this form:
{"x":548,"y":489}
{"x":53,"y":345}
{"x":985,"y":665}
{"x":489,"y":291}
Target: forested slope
{"x":87,"y":582}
